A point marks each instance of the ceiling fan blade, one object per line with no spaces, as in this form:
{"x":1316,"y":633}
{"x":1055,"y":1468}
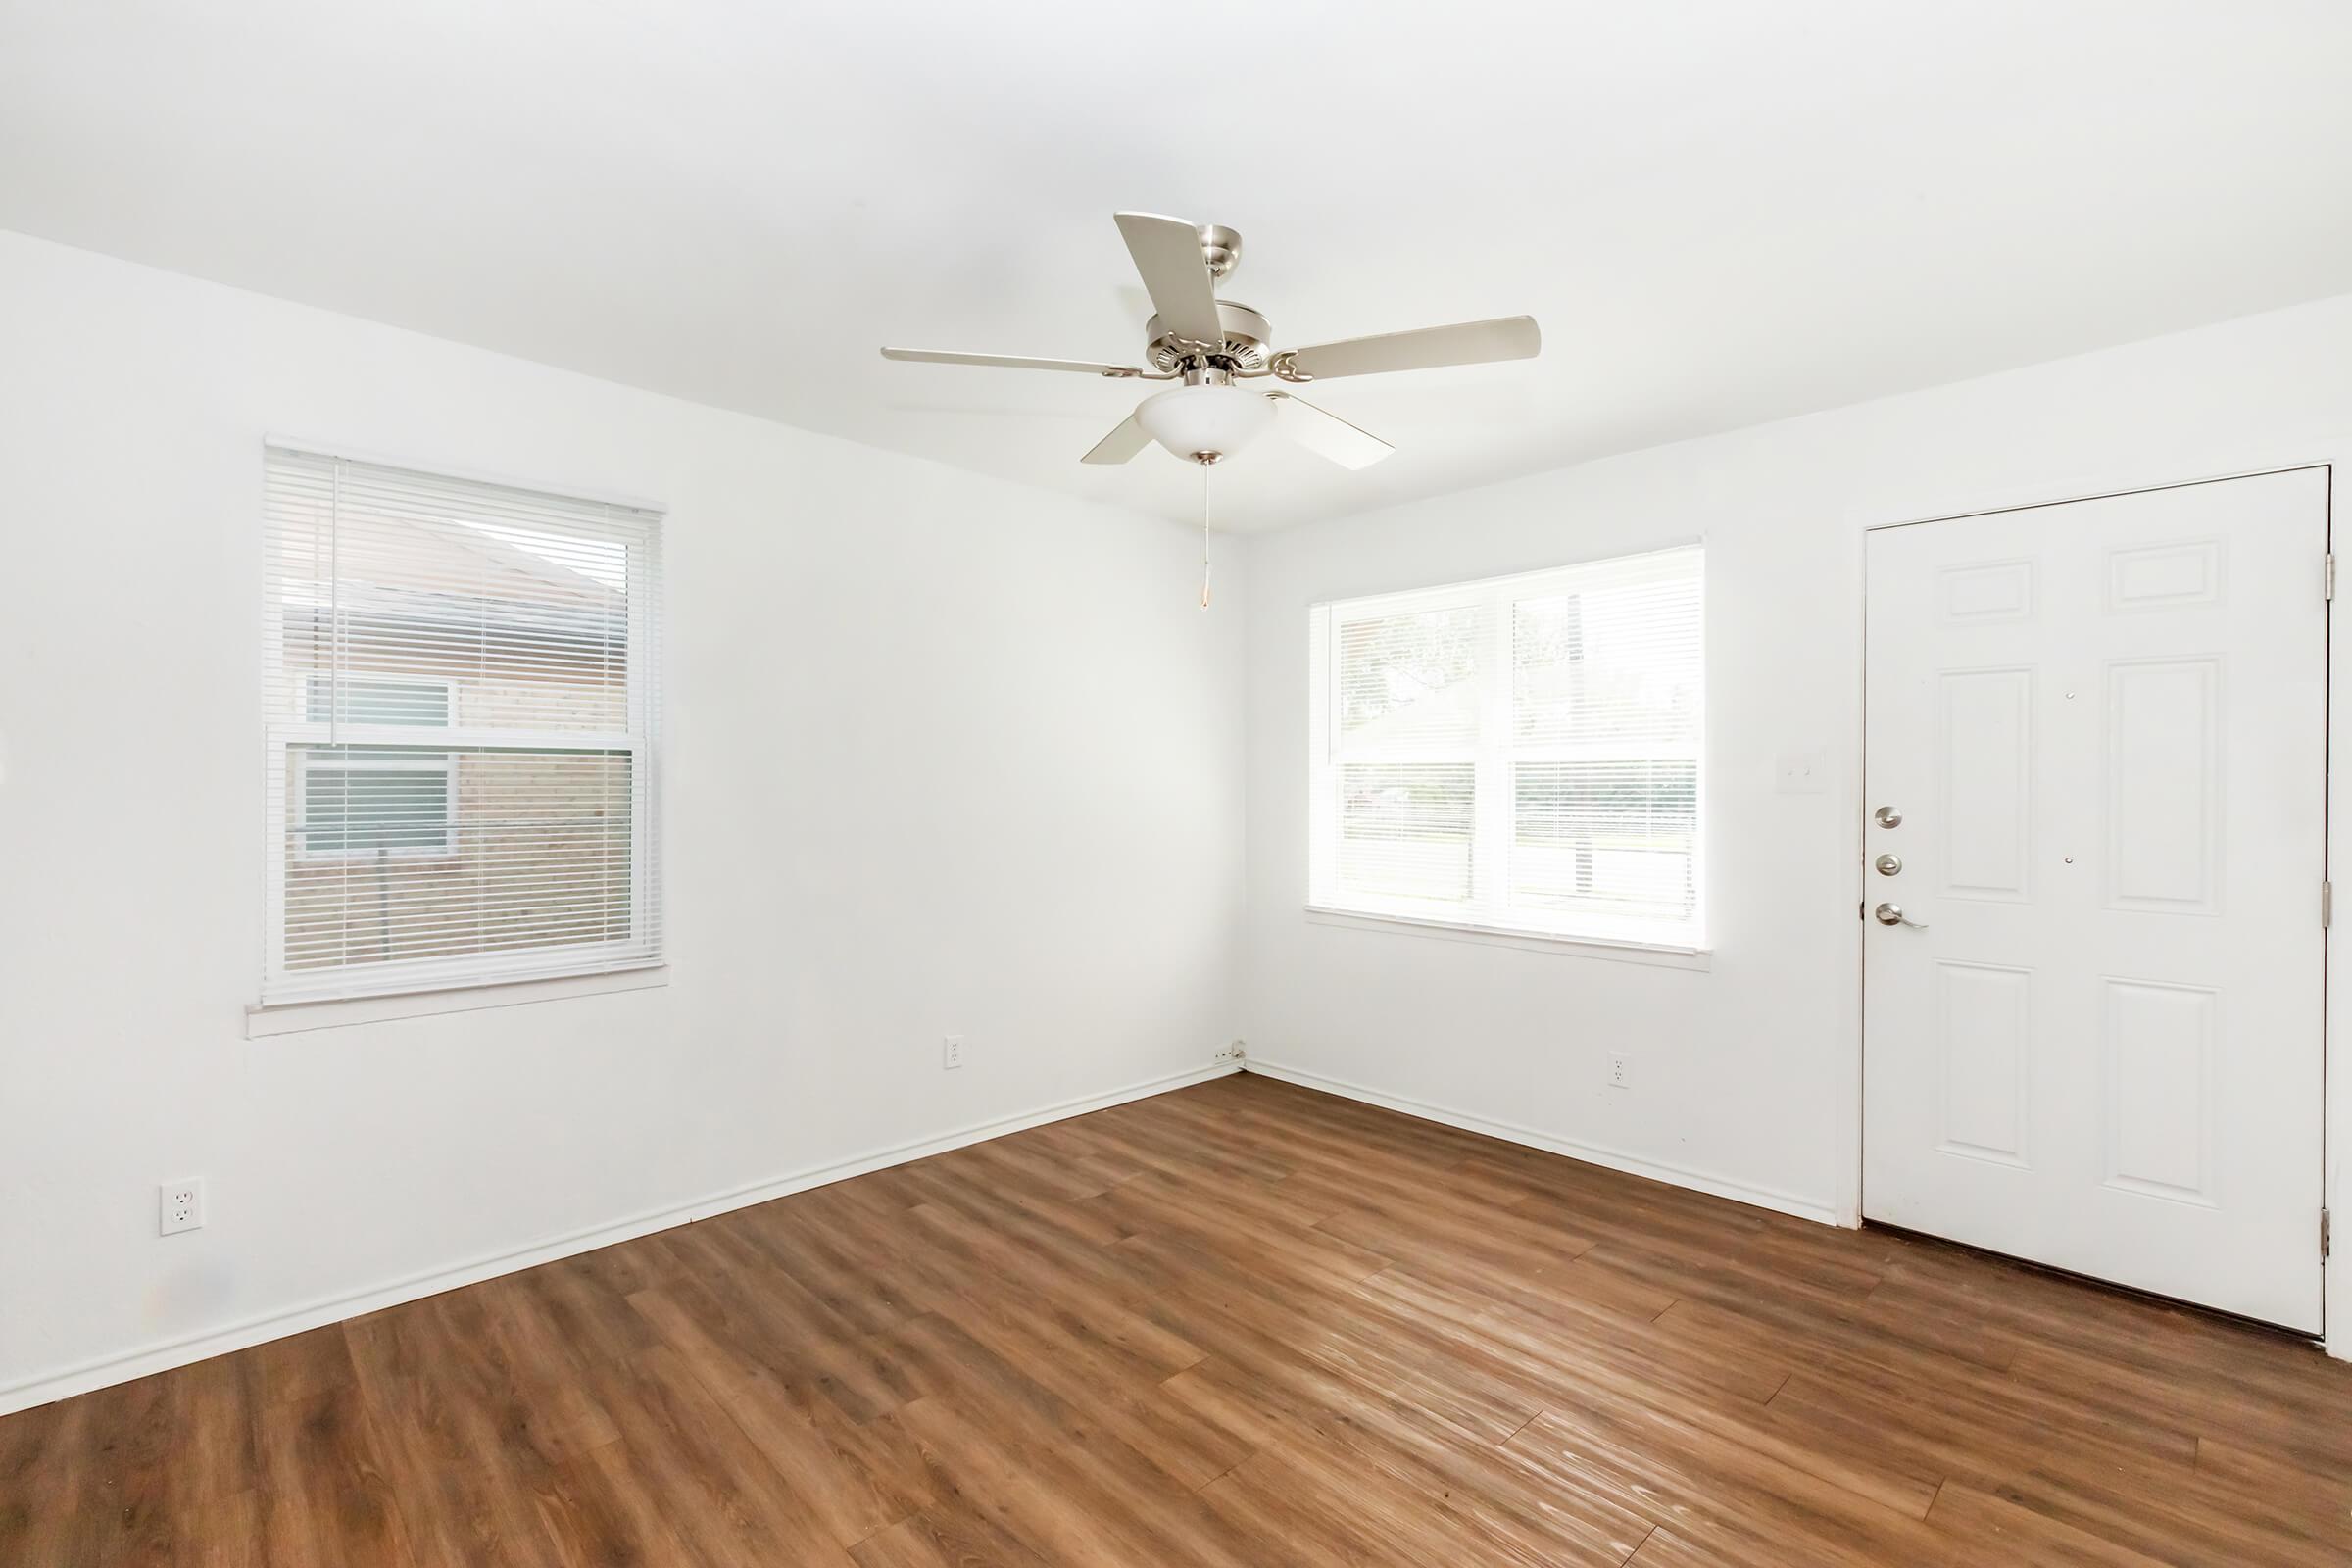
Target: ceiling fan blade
{"x":1122,"y":444}
{"x":1506,"y":337}
{"x":1010,"y":362}
{"x":1325,"y":434}
{"x":1167,"y":253}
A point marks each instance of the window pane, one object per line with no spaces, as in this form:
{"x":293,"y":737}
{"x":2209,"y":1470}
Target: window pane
{"x":1616,"y":659}
{"x":1605,"y":836}
{"x":1409,"y":679}
{"x":401,"y":583}
{"x":393,"y":805}
{"x":1404,"y":830}
{"x":486,"y":852}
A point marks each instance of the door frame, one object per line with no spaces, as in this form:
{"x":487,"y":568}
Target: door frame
{"x":2336,"y":1127}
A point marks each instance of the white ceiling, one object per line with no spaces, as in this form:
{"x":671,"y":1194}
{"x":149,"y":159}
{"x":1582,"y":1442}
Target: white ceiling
{"x":1721,"y":212}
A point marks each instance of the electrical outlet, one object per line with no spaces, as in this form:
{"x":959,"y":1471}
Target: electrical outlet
{"x":180,"y":1206}
{"x":951,"y":1052}
{"x":1229,"y":1056}
{"x":1620,"y":1074}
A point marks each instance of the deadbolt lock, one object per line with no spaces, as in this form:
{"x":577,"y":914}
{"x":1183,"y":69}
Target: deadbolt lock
{"x":1887,"y":817}
{"x":1887,"y":864}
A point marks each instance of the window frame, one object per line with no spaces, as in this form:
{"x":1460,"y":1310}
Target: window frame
{"x":432,"y":985}
{"x":1494,"y":755}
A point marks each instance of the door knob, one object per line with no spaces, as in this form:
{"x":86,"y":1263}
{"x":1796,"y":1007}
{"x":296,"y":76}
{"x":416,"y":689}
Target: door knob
{"x":1893,"y":915}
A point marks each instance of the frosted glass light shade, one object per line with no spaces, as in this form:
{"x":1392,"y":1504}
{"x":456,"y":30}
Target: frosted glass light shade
{"x":1193,"y":419}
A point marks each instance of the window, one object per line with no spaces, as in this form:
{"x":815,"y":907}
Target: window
{"x":461,"y":694}
{"x":356,"y":800}
{"x":1517,"y":754}
{"x":360,"y":799}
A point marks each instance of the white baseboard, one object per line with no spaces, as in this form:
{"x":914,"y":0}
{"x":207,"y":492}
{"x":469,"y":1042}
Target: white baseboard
{"x":1698,"y":1181}
{"x":43,"y":1387}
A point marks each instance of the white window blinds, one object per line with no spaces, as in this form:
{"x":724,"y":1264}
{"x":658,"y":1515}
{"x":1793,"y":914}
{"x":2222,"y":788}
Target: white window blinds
{"x":1521,"y":754}
{"x":460,"y":693}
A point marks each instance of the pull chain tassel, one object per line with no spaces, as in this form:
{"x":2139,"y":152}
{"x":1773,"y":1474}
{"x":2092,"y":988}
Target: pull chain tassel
{"x":1204,"y":536}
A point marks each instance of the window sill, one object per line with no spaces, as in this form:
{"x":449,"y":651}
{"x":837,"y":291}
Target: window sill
{"x":294,"y":1017}
{"x":1658,"y":954}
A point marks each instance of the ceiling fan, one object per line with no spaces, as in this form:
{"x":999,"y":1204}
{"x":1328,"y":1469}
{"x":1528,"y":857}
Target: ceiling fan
{"x":1213,"y":346}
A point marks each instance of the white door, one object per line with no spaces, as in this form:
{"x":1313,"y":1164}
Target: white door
{"x":2103,"y":727}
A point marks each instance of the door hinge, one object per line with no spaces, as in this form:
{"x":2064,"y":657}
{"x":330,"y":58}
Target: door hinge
{"x":2330,"y":596}
{"x":2327,"y":905}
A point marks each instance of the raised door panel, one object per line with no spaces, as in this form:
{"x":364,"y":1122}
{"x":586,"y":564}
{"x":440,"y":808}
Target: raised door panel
{"x":1983,"y":1033}
{"x":2160,"y":1041}
{"x":2164,"y":770}
{"x":1986,"y":772}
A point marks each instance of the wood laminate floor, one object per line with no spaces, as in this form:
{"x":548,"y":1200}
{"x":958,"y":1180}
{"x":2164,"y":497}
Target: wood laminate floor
{"x":1240,"y":1325}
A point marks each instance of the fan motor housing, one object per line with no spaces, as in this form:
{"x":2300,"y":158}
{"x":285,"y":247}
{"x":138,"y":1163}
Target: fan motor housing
{"x":1247,"y":335}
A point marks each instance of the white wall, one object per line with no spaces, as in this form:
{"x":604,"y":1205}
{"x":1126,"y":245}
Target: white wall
{"x":1747,"y":1071}
{"x":1019,"y":750}
{"x":943,"y":755}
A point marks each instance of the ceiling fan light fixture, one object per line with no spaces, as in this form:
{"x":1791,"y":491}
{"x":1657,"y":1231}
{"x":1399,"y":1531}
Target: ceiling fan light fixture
{"x":1208,"y":342}
{"x":1207,"y":422}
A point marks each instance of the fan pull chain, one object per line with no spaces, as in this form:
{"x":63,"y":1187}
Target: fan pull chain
{"x":1204,"y":536}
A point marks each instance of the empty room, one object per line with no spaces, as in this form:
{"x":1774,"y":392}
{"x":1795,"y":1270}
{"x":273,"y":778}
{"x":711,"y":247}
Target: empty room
{"x":1051,"y":785}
